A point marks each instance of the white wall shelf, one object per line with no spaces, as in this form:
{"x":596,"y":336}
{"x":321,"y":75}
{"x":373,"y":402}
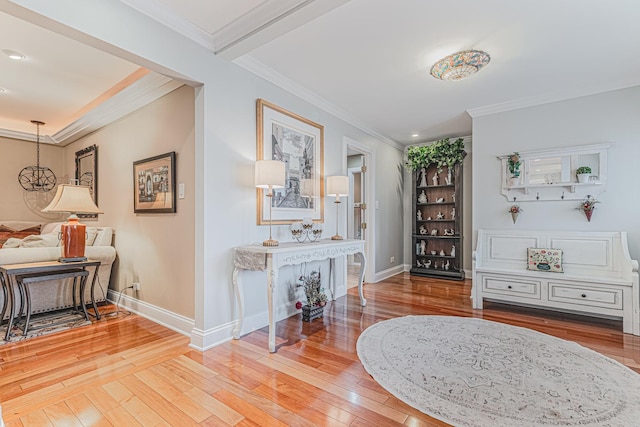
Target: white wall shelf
{"x":551,"y":174}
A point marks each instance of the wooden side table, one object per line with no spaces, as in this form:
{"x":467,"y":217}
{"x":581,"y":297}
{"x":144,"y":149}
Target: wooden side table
{"x":10,"y":272}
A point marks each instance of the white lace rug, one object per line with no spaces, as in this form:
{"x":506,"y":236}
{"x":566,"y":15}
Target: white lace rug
{"x":472,"y":372}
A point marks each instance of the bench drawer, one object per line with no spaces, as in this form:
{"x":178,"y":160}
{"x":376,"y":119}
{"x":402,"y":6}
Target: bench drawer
{"x":515,"y":287}
{"x":602,"y":297}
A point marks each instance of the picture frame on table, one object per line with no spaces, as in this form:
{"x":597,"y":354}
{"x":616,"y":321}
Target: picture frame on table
{"x":154,"y":184}
{"x":299,"y":143}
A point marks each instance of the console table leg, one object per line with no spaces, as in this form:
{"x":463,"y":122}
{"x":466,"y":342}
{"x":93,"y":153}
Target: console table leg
{"x":332,"y":278}
{"x":363,"y":266}
{"x":239,"y":298}
{"x":271,"y":283}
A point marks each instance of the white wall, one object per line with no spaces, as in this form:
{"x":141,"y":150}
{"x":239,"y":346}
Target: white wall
{"x":225,"y":149}
{"x":607,"y":117}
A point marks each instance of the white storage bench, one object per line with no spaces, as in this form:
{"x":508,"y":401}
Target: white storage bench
{"x":599,"y":278}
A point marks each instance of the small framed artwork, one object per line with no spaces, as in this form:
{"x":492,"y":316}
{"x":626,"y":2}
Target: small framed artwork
{"x":154,"y":184}
{"x":299,"y":143}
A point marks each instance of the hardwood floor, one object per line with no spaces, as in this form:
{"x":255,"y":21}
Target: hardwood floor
{"x":129,"y":371}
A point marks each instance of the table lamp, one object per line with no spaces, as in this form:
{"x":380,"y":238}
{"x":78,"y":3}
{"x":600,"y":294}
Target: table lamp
{"x":270,"y":174}
{"x":74,"y":199}
{"x":337,"y":186}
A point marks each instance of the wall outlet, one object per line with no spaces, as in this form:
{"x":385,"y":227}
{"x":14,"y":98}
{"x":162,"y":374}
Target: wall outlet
{"x":136,"y":286}
{"x":392,"y":259}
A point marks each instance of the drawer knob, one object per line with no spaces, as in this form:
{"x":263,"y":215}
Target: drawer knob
{"x":509,"y":287}
{"x":583,"y":295}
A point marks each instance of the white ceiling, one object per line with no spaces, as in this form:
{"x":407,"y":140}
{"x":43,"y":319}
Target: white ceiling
{"x":366,"y":60}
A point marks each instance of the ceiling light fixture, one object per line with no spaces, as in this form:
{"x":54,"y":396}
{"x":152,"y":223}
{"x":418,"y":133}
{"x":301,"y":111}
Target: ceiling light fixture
{"x":460,"y":65}
{"x":36,"y":178}
{"x":17,"y":56}
{"x":415,"y":135}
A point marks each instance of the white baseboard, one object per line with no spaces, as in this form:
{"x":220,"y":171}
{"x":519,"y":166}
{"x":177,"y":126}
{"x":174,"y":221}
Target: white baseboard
{"x":385,"y":274}
{"x":204,"y":340}
{"x":407,"y":268}
{"x":176,"y":322}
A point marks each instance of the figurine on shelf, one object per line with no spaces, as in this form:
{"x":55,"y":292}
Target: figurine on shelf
{"x":423,"y":247}
{"x":440,"y":200}
{"x":427,"y":264}
{"x":446,"y":266}
{"x":433,"y":252}
{"x":453,"y":251}
{"x":435,"y":178}
{"x":435,"y":264}
{"x":453,"y":213}
{"x":423,"y":229}
{"x":440,"y":215}
{"x":448,"y":232}
{"x":423,"y":178}
{"x":418,"y":263}
{"x":419,"y":215}
{"x":441,"y":252}
{"x":428,"y":218}
{"x":422,"y":198}
{"x":453,"y":197}
{"x":434,"y":232}
{"x":448,"y":180}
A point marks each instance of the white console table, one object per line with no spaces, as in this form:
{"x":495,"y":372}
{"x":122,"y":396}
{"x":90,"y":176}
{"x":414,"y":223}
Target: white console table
{"x":272,"y":258}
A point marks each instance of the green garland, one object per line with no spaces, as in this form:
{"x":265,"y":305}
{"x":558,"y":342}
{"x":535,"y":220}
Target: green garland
{"x":441,"y":153}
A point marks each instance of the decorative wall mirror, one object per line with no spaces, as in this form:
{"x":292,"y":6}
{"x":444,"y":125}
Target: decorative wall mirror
{"x":87,"y":173}
{"x":553,"y":174}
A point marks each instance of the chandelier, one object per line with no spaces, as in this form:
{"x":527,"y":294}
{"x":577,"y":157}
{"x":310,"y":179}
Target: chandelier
{"x":460,"y":65}
{"x":36,"y":178}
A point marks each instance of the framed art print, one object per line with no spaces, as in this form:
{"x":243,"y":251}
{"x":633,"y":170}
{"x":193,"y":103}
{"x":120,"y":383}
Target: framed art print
{"x":154,"y":182}
{"x":299,"y":143}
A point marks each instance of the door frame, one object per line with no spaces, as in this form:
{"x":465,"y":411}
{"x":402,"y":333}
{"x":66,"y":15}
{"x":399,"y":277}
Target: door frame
{"x":369,"y":197}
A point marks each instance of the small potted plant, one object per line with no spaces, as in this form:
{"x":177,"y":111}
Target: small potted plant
{"x":515,"y":210}
{"x":316,"y":298}
{"x":587,"y":206}
{"x":583,"y":173}
{"x":513,"y":164}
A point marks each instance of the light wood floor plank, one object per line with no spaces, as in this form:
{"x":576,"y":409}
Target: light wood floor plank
{"x":128,"y":371}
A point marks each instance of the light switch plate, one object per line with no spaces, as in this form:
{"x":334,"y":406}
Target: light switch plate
{"x":180,"y":191}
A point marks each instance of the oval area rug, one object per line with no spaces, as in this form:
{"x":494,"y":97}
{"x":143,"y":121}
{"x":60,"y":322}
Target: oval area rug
{"x":473,"y":372}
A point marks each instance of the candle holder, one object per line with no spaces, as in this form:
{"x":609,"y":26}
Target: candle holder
{"x":306,"y":230}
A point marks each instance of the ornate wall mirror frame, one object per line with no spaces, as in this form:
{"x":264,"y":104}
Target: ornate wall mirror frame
{"x":87,"y":173}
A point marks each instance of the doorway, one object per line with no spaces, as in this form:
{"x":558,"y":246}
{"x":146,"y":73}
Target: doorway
{"x":358,"y":162}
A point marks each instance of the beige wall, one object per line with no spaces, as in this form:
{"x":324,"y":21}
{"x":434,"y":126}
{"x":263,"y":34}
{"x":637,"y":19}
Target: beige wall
{"x":156,"y":250}
{"x":16,"y":203}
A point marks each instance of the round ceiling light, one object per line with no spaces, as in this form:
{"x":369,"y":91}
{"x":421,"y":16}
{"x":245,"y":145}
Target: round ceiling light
{"x":460,"y":65}
{"x":17,"y":56}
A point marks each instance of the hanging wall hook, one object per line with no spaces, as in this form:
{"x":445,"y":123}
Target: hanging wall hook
{"x":562,"y":197}
{"x":538,"y":195}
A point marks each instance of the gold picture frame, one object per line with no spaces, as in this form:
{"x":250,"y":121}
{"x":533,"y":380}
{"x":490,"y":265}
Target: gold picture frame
{"x":299,"y":143}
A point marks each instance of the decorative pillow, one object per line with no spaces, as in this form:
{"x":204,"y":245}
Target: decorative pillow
{"x":542,"y":259}
{"x":33,"y":241}
{"x":8,"y":232}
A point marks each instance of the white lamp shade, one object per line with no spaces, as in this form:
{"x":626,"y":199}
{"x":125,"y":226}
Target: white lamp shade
{"x":338,"y":185}
{"x":270,"y":173}
{"x":72,"y":198}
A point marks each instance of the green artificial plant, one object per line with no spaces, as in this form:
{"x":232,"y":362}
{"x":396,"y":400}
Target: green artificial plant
{"x":440,"y":153}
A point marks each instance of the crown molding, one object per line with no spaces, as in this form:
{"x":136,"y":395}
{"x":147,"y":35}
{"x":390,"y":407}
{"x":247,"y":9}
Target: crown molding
{"x":162,"y":14}
{"x":147,"y":89}
{"x":259,"y":69}
{"x":547,"y":98}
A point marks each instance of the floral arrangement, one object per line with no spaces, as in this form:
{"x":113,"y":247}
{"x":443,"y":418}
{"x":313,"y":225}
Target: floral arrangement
{"x":588,"y":204}
{"x":515,"y":208}
{"x":440,"y":153}
{"x":313,"y":290}
{"x":513,"y":162}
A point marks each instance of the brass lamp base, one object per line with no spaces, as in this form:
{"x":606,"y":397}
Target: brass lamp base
{"x":270,"y":242}
{"x":337,"y":237}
